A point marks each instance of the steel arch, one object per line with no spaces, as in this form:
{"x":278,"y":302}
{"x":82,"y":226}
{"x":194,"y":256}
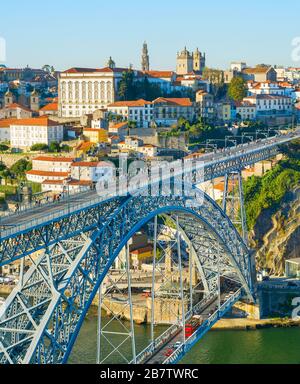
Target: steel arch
{"x":49,"y":333}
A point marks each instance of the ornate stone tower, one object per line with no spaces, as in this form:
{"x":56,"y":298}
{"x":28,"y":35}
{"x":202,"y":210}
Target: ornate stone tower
{"x":184,"y":62}
{"x":34,"y":101}
{"x":111,"y":63}
{"x":145,"y":58}
{"x":199,"y":61}
{"x":8,"y":98}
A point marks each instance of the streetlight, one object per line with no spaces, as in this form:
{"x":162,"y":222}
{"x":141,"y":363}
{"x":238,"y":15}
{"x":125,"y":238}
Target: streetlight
{"x":67,"y":187}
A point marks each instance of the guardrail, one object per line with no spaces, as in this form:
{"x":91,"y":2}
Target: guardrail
{"x":170,"y":332}
{"x":273,"y":142}
{"x":205,"y":327}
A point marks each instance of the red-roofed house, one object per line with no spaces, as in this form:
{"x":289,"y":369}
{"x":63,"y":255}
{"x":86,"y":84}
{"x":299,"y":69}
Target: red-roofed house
{"x":168,"y":110}
{"x":138,"y":111}
{"x":50,"y":109}
{"x":16,"y":111}
{"x":26,"y":132}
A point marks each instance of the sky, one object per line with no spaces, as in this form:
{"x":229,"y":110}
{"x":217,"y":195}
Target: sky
{"x":69,"y":33}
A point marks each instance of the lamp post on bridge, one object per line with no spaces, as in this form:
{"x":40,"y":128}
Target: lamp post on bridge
{"x":67,"y":188}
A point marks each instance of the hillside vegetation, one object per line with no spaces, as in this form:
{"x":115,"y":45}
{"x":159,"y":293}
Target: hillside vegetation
{"x":268,"y":191}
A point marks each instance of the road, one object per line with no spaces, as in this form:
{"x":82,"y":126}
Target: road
{"x":160,"y":356}
{"x":74,"y":202}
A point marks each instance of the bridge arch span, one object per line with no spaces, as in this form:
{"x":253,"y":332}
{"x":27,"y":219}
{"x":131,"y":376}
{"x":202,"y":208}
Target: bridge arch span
{"x":42,"y":327}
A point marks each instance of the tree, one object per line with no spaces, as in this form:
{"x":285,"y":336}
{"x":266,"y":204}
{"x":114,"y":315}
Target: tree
{"x":4,"y":147}
{"x":65,"y":148}
{"x":237,"y":89}
{"x":126,"y":87}
{"x":39,"y":147}
{"x":54,"y":147}
{"x":20,"y":167}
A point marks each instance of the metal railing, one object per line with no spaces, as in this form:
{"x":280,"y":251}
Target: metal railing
{"x":205,"y":327}
{"x":76,"y":207}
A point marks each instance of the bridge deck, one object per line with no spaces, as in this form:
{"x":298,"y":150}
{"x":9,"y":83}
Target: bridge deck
{"x":29,"y":217}
{"x":210,"y":313}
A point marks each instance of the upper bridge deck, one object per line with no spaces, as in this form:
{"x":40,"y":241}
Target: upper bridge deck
{"x":212,"y":165}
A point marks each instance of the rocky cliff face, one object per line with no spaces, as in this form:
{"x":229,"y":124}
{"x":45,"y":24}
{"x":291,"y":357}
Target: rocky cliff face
{"x":276,"y":235}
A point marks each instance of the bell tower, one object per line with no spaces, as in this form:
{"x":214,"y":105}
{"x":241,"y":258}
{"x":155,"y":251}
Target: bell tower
{"x":145,"y":58}
{"x":34,"y":101}
{"x":8,"y":98}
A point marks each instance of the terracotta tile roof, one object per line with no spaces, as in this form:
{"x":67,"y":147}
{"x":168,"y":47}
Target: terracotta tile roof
{"x":94,"y":130}
{"x":160,"y":74}
{"x":130,"y":103}
{"x":91,"y":164}
{"x":256,"y":70}
{"x":50,"y":107}
{"x":5,"y":123}
{"x":139,"y":251}
{"x":120,"y":125}
{"x":85,"y":146}
{"x":93,"y":70}
{"x":46,"y":173}
{"x":55,"y":159}
{"x":184,"y":102}
{"x":16,"y":106}
{"x":37,"y":121}
{"x":69,"y":182}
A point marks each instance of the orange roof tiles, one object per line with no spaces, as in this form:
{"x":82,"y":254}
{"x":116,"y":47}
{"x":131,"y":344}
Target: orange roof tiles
{"x":182,"y":101}
{"x":55,"y":159}
{"x":139,"y":251}
{"x":119,"y":125}
{"x":92,"y":164}
{"x":160,"y":74}
{"x":37,"y":121}
{"x":130,"y":103}
{"x":50,"y":107}
{"x":5,"y":123}
{"x":16,"y":105}
{"x":46,"y":173}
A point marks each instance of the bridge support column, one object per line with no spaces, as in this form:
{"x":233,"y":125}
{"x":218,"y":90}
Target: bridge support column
{"x":180,"y":266}
{"x":233,"y":202}
{"x":130,"y":304}
{"x":153,"y":282}
{"x":99,"y":325}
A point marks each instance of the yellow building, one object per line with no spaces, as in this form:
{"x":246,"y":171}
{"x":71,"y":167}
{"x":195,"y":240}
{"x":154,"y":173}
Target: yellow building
{"x":96,"y":135}
{"x":141,"y":255}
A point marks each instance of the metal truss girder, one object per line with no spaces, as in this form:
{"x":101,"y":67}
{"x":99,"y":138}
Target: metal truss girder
{"x":59,"y":322}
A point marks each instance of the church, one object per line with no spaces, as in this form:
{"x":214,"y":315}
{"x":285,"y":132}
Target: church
{"x":188,"y":62}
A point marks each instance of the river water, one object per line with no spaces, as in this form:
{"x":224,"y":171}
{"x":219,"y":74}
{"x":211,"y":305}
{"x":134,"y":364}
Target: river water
{"x":269,"y":346}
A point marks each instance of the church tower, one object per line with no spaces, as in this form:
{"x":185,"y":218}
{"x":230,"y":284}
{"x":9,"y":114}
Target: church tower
{"x":199,"y":61}
{"x":8,"y":98}
{"x":145,"y":58}
{"x":34,"y":101}
{"x":184,"y":62}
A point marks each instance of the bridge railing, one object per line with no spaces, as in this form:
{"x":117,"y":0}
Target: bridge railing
{"x":170,"y":332}
{"x":156,"y":344}
{"x":207,"y":324}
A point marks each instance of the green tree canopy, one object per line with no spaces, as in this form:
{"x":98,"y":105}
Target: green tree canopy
{"x":39,"y":147}
{"x":20,"y":167}
{"x":4,"y":147}
{"x":54,"y":147}
{"x":237,"y":89}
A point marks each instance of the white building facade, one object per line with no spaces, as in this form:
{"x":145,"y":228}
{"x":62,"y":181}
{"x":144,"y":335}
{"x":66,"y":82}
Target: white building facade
{"x":26,"y":132}
{"x":83,"y":91}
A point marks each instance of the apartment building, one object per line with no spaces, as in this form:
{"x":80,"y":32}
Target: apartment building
{"x":27,"y":132}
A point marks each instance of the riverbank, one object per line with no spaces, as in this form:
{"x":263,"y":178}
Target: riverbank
{"x":252,"y":324}
{"x":240,"y":324}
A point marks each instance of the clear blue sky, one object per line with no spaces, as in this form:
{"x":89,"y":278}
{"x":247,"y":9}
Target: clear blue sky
{"x":67,"y":33}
